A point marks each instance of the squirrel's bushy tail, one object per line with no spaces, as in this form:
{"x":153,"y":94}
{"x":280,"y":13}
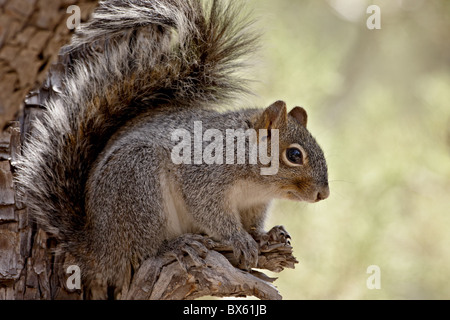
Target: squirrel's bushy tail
{"x":131,"y":56}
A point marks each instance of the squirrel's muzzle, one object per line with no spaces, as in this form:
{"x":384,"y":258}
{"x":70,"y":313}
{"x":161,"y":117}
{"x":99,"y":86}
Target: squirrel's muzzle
{"x":323,"y":192}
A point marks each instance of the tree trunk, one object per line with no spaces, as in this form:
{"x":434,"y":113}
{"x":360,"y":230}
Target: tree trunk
{"x":31,"y":33}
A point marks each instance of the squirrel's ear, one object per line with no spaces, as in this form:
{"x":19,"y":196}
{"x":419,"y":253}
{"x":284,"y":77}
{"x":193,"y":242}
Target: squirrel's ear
{"x":300,"y":115}
{"x":275,"y":116}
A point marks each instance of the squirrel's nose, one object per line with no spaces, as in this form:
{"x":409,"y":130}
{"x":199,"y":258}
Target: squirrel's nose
{"x":323,"y":193}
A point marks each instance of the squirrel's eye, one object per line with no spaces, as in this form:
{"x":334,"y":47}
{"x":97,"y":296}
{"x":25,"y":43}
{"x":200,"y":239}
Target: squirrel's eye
{"x":294,"y":156}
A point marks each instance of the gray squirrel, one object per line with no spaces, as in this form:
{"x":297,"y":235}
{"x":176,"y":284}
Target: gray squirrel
{"x":98,"y":172}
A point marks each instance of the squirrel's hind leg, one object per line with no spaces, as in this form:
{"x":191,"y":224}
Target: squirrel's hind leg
{"x":125,"y":221}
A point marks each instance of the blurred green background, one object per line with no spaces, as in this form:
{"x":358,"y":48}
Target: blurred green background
{"x":379,"y":104}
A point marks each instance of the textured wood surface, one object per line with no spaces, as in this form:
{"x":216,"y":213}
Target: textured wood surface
{"x":31,"y":33}
{"x":202,"y":267}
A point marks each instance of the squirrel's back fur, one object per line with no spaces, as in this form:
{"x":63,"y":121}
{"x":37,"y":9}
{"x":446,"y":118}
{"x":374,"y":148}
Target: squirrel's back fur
{"x":131,"y":56}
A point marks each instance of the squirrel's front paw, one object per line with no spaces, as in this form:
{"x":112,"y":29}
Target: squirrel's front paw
{"x":245,"y":250}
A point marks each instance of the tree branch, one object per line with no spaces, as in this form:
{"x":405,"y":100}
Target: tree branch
{"x":199,"y":267}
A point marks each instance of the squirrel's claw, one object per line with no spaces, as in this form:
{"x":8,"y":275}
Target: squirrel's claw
{"x":274,"y":238}
{"x":189,"y":249}
{"x":245,"y":250}
{"x":275,"y":249}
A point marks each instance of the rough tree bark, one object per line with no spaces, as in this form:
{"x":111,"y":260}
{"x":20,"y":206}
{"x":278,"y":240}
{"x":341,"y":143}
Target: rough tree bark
{"x":31,"y":266}
{"x":31,"y":33}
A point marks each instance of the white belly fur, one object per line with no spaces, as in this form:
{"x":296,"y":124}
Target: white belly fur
{"x":179,"y":220}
